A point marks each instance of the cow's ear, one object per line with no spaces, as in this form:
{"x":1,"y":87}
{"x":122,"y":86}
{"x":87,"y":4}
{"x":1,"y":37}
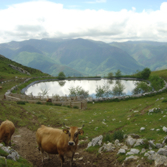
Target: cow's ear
{"x":65,"y":131}
{"x":81,"y":132}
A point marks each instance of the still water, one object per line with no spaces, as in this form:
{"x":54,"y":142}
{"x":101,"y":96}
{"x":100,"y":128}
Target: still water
{"x":61,"y":88}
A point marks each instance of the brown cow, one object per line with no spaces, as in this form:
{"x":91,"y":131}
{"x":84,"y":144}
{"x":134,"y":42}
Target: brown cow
{"x":7,"y":129}
{"x":56,"y":141}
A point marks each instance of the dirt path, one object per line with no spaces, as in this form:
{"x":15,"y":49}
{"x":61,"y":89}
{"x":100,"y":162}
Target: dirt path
{"x":24,"y":143}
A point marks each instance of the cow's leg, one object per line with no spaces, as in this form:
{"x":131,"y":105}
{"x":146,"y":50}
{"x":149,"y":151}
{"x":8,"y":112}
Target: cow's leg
{"x":47,"y":156}
{"x":62,"y":159}
{"x":71,"y":159}
{"x":41,"y":151}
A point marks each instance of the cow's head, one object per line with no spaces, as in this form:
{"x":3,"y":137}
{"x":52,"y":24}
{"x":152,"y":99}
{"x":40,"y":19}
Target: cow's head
{"x":73,"y":133}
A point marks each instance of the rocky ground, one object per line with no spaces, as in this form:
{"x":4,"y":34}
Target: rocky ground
{"x":25,"y":144}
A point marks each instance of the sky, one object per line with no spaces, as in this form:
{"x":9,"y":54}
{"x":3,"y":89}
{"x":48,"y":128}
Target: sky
{"x":100,"y":20}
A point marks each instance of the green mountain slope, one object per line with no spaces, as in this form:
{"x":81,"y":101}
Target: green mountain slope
{"x":6,"y":71}
{"x":75,"y":56}
{"x":150,"y":54}
{"x":95,"y":57}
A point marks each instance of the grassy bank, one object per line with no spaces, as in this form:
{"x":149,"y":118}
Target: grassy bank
{"x":99,"y":118}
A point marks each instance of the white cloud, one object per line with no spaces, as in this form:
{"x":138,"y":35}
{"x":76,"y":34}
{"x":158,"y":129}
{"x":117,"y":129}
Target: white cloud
{"x":41,"y":19}
{"x":96,"y":1}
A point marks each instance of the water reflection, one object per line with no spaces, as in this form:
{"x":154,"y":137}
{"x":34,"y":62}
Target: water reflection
{"x":61,"y":88}
{"x":62,"y":83}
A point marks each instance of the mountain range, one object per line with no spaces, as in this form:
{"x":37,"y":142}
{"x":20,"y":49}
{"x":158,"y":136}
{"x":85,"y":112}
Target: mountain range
{"x":81,"y":57}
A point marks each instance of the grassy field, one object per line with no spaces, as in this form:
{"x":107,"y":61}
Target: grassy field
{"x":99,"y":118}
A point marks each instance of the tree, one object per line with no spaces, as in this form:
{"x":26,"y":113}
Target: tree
{"x":118,"y":73}
{"x":78,"y":91}
{"x":103,"y":91}
{"x":145,"y":73}
{"x":156,"y":82}
{"x":110,"y":75}
{"x":141,"y":87}
{"x":118,"y":89}
{"x":61,"y":75}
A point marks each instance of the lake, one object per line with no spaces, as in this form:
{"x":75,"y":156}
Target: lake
{"x":61,"y":88}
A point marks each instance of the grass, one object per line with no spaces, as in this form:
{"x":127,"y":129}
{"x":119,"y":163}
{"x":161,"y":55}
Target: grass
{"x":119,"y":116}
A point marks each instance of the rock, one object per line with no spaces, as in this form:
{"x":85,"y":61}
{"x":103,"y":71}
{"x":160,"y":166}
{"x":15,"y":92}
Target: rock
{"x":133,"y":151}
{"x":164,"y":129}
{"x":151,"y":143}
{"x":138,"y":142}
{"x":142,"y":128}
{"x":80,"y":159}
{"x":131,"y":157}
{"x":159,"y":145}
{"x":130,"y":141}
{"x":106,"y":147}
{"x":143,"y":151}
{"x":121,"y":151}
{"x":14,"y":156}
{"x":96,"y":141}
{"x":158,"y":159}
{"x":116,"y":142}
{"x":124,"y":147}
{"x":162,"y":151}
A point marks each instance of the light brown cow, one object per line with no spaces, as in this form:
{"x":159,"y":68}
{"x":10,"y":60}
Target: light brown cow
{"x":56,"y":141}
{"x":7,"y":129}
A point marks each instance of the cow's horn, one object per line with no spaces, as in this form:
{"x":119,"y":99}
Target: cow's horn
{"x":66,"y":126}
{"x":81,"y":127}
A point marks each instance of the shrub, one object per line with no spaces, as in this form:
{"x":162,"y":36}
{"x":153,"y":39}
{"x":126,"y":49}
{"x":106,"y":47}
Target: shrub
{"x":76,"y":107}
{"x":118,"y":135}
{"x":107,"y":137}
{"x":156,"y":82}
{"x":49,"y":103}
{"x":61,"y":75}
{"x":21,"y":102}
{"x":165,"y":100}
{"x":38,"y":102}
{"x":145,"y":144}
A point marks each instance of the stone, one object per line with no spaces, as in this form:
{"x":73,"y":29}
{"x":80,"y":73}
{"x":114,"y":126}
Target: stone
{"x":151,"y":143}
{"x":138,"y":142}
{"x":133,"y":151}
{"x":162,"y":151}
{"x":80,"y":159}
{"x":159,"y":145}
{"x":121,"y":151}
{"x":143,"y":151}
{"x":130,"y":141}
{"x":142,"y":128}
{"x":106,"y":147}
{"x":96,"y":141}
{"x":164,"y":129}
{"x":131,"y":157}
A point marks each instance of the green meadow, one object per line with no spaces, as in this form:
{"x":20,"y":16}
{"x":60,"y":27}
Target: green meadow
{"x":100,"y":118}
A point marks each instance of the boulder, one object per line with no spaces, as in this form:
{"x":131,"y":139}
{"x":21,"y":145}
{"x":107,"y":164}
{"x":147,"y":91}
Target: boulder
{"x":130,"y":141}
{"x":107,"y":147}
{"x":121,"y":151}
{"x":162,"y":151}
{"x":133,"y":151}
{"x":96,"y":141}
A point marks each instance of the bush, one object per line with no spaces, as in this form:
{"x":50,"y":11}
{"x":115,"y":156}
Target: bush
{"x":145,"y":73}
{"x":21,"y":102}
{"x":156,"y":82}
{"x":78,"y":91}
{"x":38,"y":102}
{"x":141,"y":87}
{"x":61,"y":75}
{"x":118,"y":135}
{"x":107,"y":137}
{"x":76,"y":107}
{"x":49,"y":103}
